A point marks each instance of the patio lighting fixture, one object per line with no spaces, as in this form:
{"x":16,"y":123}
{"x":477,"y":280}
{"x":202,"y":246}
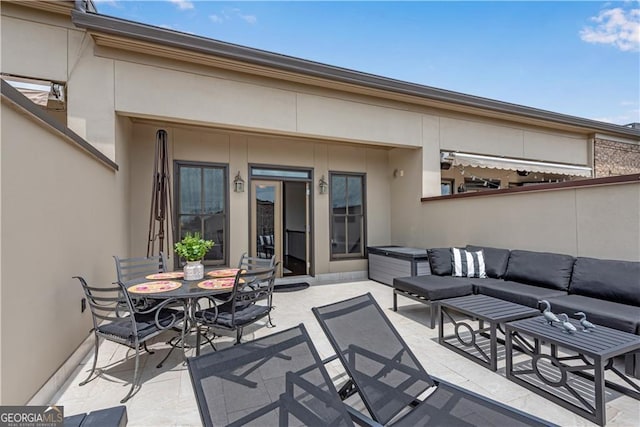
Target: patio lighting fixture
{"x":238,"y":184}
{"x":323,"y":185}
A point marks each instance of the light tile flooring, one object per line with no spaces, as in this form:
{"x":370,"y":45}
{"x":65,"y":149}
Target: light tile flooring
{"x":166,"y":397}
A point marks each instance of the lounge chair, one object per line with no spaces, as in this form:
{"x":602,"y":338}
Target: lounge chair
{"x":275,"y":380}
{"x":391,"y":381}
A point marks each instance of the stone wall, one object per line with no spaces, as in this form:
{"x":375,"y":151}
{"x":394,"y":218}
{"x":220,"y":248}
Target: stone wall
{"x":615,"y":158}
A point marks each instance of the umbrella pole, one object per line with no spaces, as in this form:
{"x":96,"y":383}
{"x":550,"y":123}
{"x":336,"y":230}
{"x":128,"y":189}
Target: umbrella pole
{"x":160,"y":196}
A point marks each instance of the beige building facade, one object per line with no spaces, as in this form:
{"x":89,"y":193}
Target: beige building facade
{"x":82,"y":187}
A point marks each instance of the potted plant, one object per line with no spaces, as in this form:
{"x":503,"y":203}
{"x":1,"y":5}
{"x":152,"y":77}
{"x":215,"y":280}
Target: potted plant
{"x":193,"y":248}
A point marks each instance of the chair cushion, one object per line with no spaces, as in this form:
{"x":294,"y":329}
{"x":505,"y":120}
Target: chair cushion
{"x":435,"y":288}
{"x":519,"y":293}
{"x":244,"y":315}
{"x":467,"y":264}
{"x":616,"y":281}
{"x":495,"y":260}
{"x":440,"y":261}
{"x":540,"y":269}
{"x":600,"y":312}
{"x":145,"y":324}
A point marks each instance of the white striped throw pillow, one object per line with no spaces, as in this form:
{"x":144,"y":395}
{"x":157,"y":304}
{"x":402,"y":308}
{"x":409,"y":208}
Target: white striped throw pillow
{"x":467,"y":264}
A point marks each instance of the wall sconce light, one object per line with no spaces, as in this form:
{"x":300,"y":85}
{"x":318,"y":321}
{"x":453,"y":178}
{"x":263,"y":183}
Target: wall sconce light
{"x":238,"y":184}
{"x":323,"y":185}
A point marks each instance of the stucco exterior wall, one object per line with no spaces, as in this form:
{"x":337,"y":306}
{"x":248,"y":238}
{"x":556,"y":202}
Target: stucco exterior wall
{"x":42,"y":45}
{"x":62,"y":215}
{"x":500,"y":139}
{"x":600,"y":222}
{"x":31,"y":48}
{"x":238,"y":151}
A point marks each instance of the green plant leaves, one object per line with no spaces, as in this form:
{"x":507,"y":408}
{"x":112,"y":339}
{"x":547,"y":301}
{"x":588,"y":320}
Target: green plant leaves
{"x":193,"y":247}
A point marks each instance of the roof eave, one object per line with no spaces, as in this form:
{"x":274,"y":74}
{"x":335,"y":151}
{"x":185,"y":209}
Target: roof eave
{"x":204,"y":46}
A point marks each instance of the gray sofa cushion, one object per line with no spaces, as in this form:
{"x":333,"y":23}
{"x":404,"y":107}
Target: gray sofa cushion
{"x":495,"y":260}
{"x":440,"y":261}
{"x":519,"y":293}
{"x":540,"y":269}
{"x":600,"y":312}
{"x":435,"y":288}
{"x":617,"y":281}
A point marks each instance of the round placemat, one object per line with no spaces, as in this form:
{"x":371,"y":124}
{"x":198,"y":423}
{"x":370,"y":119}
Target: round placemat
{"x":227,"y":272}
{"x":154,"y":287}
{"x":220,"y":283}
{"x":166,"y":276}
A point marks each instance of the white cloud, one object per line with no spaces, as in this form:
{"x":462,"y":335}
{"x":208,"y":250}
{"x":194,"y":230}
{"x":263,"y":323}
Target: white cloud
{"x":231,"y":14}
{"x":617,"y":27}
{"x":182,"y":4}
{"x":250,"y":19}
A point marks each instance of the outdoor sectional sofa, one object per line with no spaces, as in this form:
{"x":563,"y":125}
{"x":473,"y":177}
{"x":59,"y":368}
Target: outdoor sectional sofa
{"x":607,"y":291}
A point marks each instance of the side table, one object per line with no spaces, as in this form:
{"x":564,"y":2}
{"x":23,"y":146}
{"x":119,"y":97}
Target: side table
{"x":591,"y":352}
{"x":482,"y":308}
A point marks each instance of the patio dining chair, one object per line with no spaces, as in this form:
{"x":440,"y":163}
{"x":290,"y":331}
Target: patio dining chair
{"x":251,"y":263}
{"x":392,"y":382}
{"x":129,"y":269}
{"x":116,"y":319}
{"x":248,"y":302}
{"x":275,"y":380}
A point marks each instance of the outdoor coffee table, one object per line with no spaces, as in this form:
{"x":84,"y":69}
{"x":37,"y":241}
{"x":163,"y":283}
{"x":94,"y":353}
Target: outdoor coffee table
{"x":570,"y":377}
{"x":482,"y":308}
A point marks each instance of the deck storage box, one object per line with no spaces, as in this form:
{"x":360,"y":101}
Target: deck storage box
{"x":389,"y":262}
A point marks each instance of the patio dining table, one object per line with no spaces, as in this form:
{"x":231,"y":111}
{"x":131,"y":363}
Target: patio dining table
{"x":173,"y":289}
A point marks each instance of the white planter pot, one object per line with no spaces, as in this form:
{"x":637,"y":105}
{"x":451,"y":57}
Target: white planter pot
{"x":194,"y":270}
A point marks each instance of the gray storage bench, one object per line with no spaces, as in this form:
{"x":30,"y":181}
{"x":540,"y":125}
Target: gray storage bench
{"x":389,"y":262}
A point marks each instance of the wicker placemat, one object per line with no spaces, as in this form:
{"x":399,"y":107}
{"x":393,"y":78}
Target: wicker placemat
{"x":227,"y":272}
{"x":154,"y":287}
{"x":166,"y":276}
{"x":220,"y":283}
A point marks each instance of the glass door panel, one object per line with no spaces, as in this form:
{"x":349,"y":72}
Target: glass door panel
{"x":266,"y":220}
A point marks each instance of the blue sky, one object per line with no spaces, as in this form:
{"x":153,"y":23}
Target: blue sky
{"x":571,"y":57}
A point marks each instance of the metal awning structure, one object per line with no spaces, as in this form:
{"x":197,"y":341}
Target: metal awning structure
{"x":492,"y":162}
{"x":45,"y":93}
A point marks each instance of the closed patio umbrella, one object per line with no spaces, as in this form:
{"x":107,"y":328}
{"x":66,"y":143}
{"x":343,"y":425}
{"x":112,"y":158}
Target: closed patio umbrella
{"x":160,"y":216}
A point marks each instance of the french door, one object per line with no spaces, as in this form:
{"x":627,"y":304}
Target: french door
{"x":266,"y":220}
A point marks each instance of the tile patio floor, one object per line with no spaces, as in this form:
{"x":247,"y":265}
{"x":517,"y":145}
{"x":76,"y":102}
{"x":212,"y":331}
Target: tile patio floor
{"x":166,"y":397}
